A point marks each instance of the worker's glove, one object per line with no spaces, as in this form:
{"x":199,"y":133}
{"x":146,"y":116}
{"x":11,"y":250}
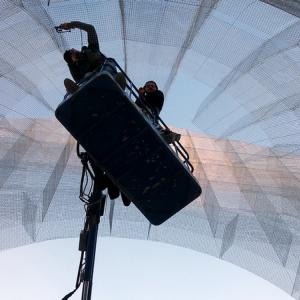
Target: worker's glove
{"x":65,"y":26}
{"x":141,"y":91}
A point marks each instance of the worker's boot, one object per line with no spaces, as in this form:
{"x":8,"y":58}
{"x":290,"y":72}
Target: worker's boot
{"x":170,"y":136}
{"x":71,"y":86}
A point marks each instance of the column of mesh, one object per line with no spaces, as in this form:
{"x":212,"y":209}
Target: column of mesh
{"x":55,"y":176}
{"x":210,"y":202}
{"x":29,"y":216}
{"x":229,"y":235}
{"x":276,"y":231}
{"x":288,"y":183}
{"x":149,"y":230}
{"x":14,"y":155}
{"x":111,"y":214}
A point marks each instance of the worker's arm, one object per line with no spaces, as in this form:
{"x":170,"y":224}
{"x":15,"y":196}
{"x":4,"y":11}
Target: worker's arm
{"x":90,"y":30}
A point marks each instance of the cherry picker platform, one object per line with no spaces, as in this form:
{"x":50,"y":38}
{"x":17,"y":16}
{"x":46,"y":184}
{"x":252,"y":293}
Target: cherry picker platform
{"x":124,"y":143}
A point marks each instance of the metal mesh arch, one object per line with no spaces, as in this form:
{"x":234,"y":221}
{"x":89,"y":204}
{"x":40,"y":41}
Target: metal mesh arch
{"x":243,"y":58}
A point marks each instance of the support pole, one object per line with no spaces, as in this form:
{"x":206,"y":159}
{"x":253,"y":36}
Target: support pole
{"x":94,"y":203}
{"x":95,"y":210}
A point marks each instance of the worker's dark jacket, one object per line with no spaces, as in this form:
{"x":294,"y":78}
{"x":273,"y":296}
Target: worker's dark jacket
{"x":154,"y":101}
{"x":91,"y":57}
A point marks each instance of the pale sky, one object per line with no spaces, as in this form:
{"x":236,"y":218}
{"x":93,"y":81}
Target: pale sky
{"x":128,"y":270}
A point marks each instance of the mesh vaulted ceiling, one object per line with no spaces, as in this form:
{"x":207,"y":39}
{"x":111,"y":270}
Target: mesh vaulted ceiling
{"x":244,"y":56}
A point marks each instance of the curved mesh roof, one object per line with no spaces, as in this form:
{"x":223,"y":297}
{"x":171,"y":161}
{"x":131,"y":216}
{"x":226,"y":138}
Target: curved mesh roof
{"x":243,"y":59}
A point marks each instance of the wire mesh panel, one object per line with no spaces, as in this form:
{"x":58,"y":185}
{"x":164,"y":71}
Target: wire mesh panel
{"x":243,"y":58}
